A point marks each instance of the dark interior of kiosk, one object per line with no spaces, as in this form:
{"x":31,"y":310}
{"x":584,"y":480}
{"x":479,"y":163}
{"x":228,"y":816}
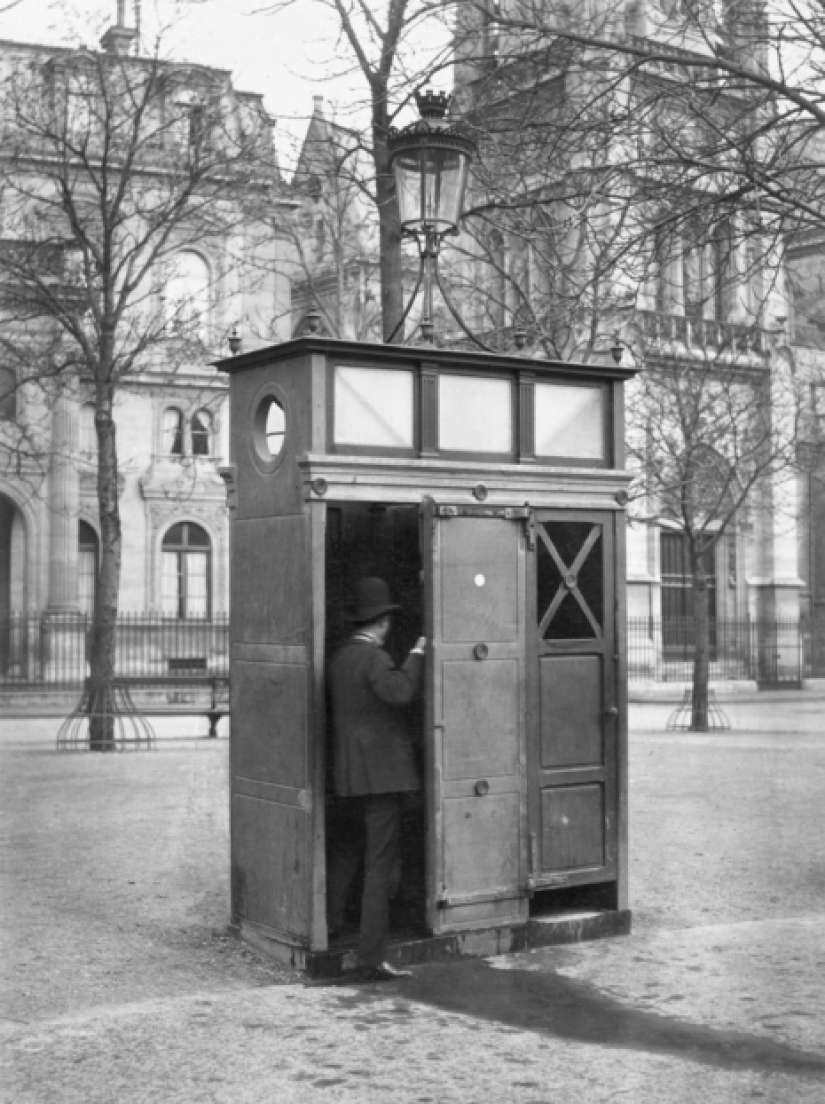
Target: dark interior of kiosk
{"x":378,"y":540}
{"x":383,"y":540}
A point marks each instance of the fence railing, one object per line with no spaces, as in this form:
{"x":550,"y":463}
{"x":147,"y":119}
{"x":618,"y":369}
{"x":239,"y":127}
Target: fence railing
{"x":666,"y":330}
{"x":770,"y":652}
{"x":52,"y":649}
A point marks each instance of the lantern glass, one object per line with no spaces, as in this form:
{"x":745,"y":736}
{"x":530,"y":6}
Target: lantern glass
{"x":430,"y":183}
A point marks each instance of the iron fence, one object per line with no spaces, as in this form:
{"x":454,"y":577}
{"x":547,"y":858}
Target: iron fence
{"x":52,"y":649}
{"x":769,"y":652}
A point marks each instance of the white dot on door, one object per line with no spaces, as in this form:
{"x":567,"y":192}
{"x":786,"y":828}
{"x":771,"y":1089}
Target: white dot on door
{"x":479,"y":580}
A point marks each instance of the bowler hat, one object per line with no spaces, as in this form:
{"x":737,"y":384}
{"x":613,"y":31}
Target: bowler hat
{"x":372,"y":599}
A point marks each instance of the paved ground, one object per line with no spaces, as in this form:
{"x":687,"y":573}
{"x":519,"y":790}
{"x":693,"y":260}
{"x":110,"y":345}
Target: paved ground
{"x":119,"y":983}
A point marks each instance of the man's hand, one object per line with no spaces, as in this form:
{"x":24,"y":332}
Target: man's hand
{"x":420,"y":646}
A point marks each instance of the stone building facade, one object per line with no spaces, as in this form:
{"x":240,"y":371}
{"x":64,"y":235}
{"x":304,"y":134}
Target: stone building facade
{"x":172,"y":426}
{"x":674,"y":315}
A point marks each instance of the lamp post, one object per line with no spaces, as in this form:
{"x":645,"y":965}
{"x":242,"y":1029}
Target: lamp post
{"x":430,"y":160}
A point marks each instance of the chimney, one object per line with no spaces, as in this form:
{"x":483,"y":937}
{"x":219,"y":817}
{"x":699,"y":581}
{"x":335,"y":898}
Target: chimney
{"x":119,"y":38}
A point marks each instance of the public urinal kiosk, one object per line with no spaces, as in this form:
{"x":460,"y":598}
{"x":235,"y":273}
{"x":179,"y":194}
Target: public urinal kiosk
{"x":489,"y":491}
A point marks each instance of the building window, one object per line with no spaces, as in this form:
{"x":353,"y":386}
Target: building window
{"x":187,"y":556}
{"x":188,"y":295}
{"x":201,"y":433}
{"x":88,"y":555}
{"x":172,"y":432}
{"x":83,"y":121}
{"x":677,"y":595}
{"x":724,"y":270}
{"x":693,"y":280}
{"x":8,"y":395}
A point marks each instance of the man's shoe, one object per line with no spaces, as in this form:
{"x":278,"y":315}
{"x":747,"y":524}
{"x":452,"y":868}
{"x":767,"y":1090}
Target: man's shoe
{"x":382,"y":972}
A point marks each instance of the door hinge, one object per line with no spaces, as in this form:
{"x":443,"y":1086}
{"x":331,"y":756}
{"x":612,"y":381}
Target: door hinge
{"x":530,"y":530}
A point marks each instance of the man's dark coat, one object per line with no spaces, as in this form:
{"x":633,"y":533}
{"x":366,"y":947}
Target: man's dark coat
{"x":372,"y":741}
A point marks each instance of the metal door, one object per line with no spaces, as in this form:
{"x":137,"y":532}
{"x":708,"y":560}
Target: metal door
{"x":572,"y":706}
{"x":475,"y":586}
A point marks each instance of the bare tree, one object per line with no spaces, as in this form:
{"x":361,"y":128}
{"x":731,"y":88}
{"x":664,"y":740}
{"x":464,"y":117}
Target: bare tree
{"x":654,"y":176}
{"x":707,"y":443}
{"x":640,"y":174}
{"x":111,"y":166}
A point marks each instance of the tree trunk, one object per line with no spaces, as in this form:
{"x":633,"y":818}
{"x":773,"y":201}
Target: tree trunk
{"x":389,"y":223}
{"x":701,"y":653}
{"x":104,"y":627}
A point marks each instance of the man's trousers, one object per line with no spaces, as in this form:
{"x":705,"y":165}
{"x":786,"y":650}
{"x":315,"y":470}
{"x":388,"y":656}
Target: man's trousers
{"x":381,"y":818}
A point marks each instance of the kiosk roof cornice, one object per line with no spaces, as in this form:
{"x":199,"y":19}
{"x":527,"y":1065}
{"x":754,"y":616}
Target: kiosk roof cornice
{"x":418,"y":355}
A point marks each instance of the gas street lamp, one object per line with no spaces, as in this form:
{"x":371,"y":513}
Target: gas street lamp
{"x":430,"y":161}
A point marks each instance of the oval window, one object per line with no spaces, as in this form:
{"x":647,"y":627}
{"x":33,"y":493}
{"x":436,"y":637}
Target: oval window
{"x":269,"y":430}
{"x":274,"y":428}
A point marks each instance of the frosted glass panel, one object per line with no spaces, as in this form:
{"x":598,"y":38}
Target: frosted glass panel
{"x":373,"y":407}
{"x":569,"y":421}
{"x":475,"y":415}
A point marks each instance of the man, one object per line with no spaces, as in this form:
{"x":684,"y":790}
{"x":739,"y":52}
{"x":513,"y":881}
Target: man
{"x":374,"y":766}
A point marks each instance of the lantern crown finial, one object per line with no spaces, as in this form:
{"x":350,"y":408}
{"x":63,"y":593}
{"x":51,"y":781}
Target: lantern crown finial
{"x":432,"y":104}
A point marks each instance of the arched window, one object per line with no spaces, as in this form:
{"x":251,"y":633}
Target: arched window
{"x":172,"y":432}
{"x":202,"y":433}
{"x":187,"y":294}
{"x":187,"y":555}
{"x":87,"y":436}
{"x":8,"y":395}
{"x":88,"y":554}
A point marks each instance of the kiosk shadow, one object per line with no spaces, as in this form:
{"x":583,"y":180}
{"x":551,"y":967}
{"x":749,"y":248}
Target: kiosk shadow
{"x":576,"y":1010}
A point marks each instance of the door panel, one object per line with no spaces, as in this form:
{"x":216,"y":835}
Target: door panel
{"x":475,"y":587}
{"x":572,"y":754}
{"x":481,"y":714}
{"x":481,"y":838}
{"x":572,"y":718}
{"x":479,"y":590}
{"x":572,"y":834}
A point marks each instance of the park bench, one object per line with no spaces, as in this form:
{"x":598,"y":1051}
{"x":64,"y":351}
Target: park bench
{"x":133,"y":719}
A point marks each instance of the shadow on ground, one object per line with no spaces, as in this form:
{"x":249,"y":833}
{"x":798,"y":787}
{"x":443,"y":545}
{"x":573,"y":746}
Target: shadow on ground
{"x":565,"y":1008}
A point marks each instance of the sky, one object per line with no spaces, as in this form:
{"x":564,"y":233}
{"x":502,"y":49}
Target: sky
{"x":287,"y":56}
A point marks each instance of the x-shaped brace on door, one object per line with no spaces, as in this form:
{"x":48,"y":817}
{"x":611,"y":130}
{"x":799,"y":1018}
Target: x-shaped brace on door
{"x":570,"y":579}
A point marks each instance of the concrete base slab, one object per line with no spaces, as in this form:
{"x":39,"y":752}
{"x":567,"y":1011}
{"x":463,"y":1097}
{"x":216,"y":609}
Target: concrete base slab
{"x":569,"y":926}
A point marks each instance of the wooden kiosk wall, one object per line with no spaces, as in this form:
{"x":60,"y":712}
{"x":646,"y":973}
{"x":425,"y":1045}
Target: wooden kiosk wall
{"x":277,"y":633}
